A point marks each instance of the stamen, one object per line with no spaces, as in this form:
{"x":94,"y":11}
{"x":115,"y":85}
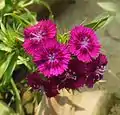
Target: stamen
{"x":51,"y":57}
{"x":38,"y":35}
{"x":84,"y":43}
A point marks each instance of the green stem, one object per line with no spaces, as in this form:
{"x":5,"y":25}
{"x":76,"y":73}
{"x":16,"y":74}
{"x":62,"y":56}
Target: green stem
{"x":19,"y":109}
{"x":27,"y":4}
{"x":48,"y":7}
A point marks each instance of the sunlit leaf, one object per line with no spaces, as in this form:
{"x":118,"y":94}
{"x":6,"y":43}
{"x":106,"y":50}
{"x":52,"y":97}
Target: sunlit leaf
{"x":2,"y":37}
{"x":24,"y":61}
{"x":30,"y":16}
{"x":63,"y":38}
{"x":21,"y":3}
{"x":2,"y":4}
{"x":98,"y":23}
{"x":4,"y":64}
{"x":11,"y":35}
{"x":19,"y":108}
{"x":18,"y":18}
{"x":108,"y":6}
{"x":2,"y":27}
{"x":3,"y":47}
{"x":8,"y":6}
{"x":102,"y":16}
{"x":25,"y":3}
{"x":5,"y":110}
{"x":8,"y":73}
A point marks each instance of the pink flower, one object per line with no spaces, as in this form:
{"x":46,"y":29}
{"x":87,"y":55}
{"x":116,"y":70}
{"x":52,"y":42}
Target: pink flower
{"x":43,"y":30}
{"x":31,"y":46}
{"x":96,"y":70}
{"x":84,"y":43}
{"x":80,"y":74}
{"x":35,"y":81}
{"x":75,"y":76}
{"x":52,"y":58}
{"x":34,"y":35}
{"x":49,"y":87}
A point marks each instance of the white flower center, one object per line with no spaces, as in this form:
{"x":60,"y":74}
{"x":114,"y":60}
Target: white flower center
{"x":38,"y":36}
{"x":51,"y":57}
{"x":84,"y":43}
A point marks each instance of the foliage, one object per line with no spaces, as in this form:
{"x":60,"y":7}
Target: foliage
{"x":4,"y":110}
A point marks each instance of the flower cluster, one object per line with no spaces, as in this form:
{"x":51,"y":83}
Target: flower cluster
{"x":73,"y":65}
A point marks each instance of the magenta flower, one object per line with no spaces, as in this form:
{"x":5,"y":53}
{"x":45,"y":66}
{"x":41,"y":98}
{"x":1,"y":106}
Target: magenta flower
{"x":35,"y":81}
{"x":84,"y":43}
{"x":96,"y":70}
{"x":49,"y":87}
{"x":80,"y":74}
{"x":75,"y":76}
{"x":31,"y":46}
{"x":52,"y":58}
{"x":43,"y":30}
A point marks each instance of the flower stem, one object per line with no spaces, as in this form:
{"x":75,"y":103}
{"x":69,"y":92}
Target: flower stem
{"x":19,"y":108}
{"x":27,"y":4}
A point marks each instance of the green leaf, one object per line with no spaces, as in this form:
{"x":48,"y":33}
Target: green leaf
{"x":30,"y":16}
{"x":101,"y":16}
{"x":2,"y":54}
{"x":21,"y":3}
{"x":108,"y":6}
{"x":5,"y":110}
{"x":110,"y":19}
{"x":4,"y":64}
{"x":2,"y":37}
{"x":8,"y":73}
{"x":19,"y":108}
{"x":18,"y":18}
{"x":2,"y":27}
{"x":63,"y":38}
{"x":3,"y":47}
{"x":48,"y":7}
{"x":8,"y":6}
{"x":24,"y":61}
{"x":97,"y":23}
{"x":11,"y":36}
{"x":2,"y":4}
{"x":25,"y":3}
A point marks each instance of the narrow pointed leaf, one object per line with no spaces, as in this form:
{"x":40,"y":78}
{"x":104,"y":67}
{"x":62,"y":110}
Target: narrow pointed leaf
{"x":51,"y":16}
{"x":2,"y":53}
{"x":24,"y":61}
{"x":5,"y":110}
{"x":8,"y":73}
{"x":2,"y":27}
{"x":4,"y":64}
{"x":5,"y":48}
{"x":98,"y":23}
